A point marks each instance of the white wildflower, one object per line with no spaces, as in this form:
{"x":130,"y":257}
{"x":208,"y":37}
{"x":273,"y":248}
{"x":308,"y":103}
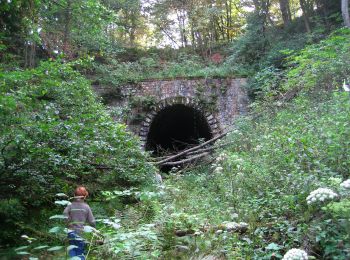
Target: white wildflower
{"x":345,"y":184}
{"x":218,"y":169}
{"x":321,"y":194}
{"x":258,"y":147}
{"x":221,"y":157}
{"x":234,"y":215}
{"x":198,"y":233}
{"x":346,"y":86}
{"x":295,"y":254}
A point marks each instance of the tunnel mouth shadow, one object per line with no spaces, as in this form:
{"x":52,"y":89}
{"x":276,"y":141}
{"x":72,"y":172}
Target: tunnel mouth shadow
{"x":176,"y":128}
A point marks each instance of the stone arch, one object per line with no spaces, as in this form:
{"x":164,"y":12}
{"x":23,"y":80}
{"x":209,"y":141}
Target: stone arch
{"x":185,"y":104}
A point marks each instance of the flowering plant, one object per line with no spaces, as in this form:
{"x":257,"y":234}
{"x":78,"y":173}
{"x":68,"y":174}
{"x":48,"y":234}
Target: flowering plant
{"x":221,"y":157}
{"x":218,"y":169}
{"x":295,"y":254}
{"x":321,"y":195}
{"x":345,"y":184}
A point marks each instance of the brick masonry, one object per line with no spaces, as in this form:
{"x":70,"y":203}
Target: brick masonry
{"x":227,"y":96}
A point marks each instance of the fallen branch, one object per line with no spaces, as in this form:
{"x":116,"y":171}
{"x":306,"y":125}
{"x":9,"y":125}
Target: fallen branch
{"x":191,"y":159}
{"x":209,"y":148}
{"x":191,"y":149}
{"x":233,"y":227}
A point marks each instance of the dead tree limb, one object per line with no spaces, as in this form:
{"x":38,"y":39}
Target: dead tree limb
{"x":191,"y":149}
{"x":191,"y":159}
{"x":209,"y":148}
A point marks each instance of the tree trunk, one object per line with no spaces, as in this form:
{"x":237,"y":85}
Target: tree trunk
{"x":227,"y":7}
{"x":32,"y":55}
{"x":193,"y":38}
{"x":305,"y":15}
{"x":285,"y":10}
{"x":133,"y":25}
{"x":67,"y":16}
{"x":345,"y":12}
{"x":181,"y":21}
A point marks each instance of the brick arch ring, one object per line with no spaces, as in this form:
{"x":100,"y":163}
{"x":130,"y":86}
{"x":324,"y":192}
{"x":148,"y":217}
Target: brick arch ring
{"x":213,"y":123}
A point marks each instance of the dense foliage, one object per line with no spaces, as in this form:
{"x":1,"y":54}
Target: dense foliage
{"x":116,"y":74}
{"x":280,"y":187}
{"x":268,"y":178}
{"x":321,"y":66}
{"x":56,"y":134}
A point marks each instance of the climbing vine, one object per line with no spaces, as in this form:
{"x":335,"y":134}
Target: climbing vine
{"x":208,"y":102}
{"x":141,"y":105}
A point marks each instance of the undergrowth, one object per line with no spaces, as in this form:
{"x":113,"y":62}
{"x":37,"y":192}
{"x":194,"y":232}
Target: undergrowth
{"x":56,"y":134}
{"x":114,"y":73}
{"x":265,"y":176}
{"x":263,"y":179}
{"x":297,"y":142}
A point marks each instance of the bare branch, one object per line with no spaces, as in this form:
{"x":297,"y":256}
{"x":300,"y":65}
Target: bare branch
{"x":191,"y":159}
{"x":191,"y":149}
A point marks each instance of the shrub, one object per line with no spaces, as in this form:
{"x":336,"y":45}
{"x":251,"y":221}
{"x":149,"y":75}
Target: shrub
{"x":322,"y":65}
{"x":315,"y":68}
{"x":55,"y":134}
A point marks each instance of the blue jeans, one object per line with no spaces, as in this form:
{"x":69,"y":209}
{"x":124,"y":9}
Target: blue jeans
{"x":76,"y":240}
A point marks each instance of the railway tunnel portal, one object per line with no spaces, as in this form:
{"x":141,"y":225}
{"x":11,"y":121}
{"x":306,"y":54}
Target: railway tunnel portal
{"x":171,"y":115}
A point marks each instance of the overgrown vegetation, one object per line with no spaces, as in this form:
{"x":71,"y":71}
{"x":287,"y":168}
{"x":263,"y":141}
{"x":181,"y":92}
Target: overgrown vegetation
{"x":113,"y":73}
{"x":55,"y":134}
{"x":255,"y":199}
{"x":264,"y":178}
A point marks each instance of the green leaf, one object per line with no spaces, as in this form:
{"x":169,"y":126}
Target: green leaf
{"x":55,"y":248}
{"x":58,"y":217}
{"x":23,"y":253}
{"x":71,"y":247}
{"x":88,"y":229}
{"x":273,"y":246}
{"x":21,"y":248}
{"x":40,"y":247}
{"x":61,"y":195}
{"x":55,"y":229}
{"x":63,"y":202}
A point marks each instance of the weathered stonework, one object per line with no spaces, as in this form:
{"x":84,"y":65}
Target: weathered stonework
{"x":220,"y":100}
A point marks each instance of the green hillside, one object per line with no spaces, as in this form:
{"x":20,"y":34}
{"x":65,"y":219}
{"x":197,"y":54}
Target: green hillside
{"x":277,"y":188}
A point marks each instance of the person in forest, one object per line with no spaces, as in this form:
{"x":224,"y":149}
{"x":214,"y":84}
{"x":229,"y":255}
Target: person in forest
{"x":78,"y":214}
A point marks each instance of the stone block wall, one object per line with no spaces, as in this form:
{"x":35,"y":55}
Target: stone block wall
{"x":220,"y":99}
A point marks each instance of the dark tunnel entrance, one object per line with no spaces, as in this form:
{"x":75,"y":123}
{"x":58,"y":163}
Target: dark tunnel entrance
{"x":176,"y":128}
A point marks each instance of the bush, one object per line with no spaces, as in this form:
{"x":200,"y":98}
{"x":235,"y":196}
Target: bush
{"x":11,"y":212}
{"x":114,"y":73}
{"x":55,"y":134}
{"x":324,"y":65}
{"x":315,"y":68}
